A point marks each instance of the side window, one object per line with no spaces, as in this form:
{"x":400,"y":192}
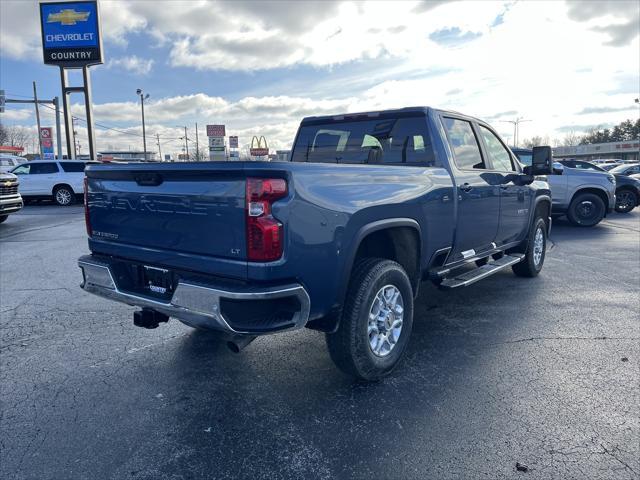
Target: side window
{"x":73,"y":167}
{"x":43,"y":168}
{"x":21,"y":170}
{"x":633,"y":170}
{"x":464,"y":144}
{"x":500,"y":158}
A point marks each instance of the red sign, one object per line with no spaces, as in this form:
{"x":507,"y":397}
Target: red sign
{"x":215,"y":131}
{"x":259,"y":152}
{"x":45,"y":132}
{"x":47,"y":142}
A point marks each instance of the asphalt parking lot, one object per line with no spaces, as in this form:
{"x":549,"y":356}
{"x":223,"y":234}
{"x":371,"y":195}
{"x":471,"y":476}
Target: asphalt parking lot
{"x":544,"y":372}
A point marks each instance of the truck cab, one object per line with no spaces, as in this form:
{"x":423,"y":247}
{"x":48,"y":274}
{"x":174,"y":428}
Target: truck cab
{"x":337,"y":240}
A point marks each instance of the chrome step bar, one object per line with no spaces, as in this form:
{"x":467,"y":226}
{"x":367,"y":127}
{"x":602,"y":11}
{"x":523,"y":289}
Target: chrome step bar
{"x":472,"y":276}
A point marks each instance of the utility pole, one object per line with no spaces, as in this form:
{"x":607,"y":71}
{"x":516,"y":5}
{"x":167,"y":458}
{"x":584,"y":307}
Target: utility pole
{"x":56,"y":103}
{"x":186,"y":142}
{"x":35,"y":101}
{"x":159,"y":151}
{"x":197,"y":145}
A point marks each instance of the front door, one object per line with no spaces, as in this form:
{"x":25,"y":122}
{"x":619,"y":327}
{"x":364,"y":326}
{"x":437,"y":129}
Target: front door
{"x":477,"y":189}
{"x":515,"y":199}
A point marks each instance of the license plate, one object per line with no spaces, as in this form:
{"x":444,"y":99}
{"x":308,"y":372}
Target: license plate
{"x":158,"y":280}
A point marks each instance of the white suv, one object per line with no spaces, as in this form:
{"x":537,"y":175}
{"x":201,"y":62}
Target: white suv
{"x":61,"y":180}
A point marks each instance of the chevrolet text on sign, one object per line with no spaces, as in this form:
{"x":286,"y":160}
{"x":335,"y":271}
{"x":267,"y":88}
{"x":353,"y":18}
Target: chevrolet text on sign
{"x":71,"y":33}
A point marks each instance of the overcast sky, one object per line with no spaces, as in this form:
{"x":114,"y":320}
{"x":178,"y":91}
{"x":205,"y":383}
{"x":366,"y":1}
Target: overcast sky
{"x":259,"y":67}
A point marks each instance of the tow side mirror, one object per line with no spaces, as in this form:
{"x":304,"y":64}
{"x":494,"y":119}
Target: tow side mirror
{"x":541,"y":161}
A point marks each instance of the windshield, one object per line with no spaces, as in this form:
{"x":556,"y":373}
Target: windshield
{"x":403,"y":140}
{"x":622,"y":168}
{"x":525,"y":158}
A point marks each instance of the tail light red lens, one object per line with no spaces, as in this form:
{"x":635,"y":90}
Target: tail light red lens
{"x":264,"y":232}
{"x":87,"y":219}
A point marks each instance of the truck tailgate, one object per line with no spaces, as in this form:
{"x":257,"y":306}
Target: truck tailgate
{"x":190,"y":211}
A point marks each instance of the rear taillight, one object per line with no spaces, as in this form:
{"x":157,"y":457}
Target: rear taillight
{"x":87,"y":220}
{"x":264,"y":232}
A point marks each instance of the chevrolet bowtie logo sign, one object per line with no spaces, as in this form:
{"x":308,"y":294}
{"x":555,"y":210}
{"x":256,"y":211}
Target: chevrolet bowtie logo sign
{"x":68,"y":17}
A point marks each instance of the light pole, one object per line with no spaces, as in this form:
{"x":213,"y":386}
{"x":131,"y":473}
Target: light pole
{"x":516,"y":128}
{"x":143,"y":97}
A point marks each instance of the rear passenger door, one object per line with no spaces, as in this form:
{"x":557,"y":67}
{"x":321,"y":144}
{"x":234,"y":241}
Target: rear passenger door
{"x":515,"y":199}
{"x":477,"y":189}
{"x":42,"y":177}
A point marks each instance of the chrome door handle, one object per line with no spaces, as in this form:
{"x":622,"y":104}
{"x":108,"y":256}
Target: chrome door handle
{"x":465,"y":187}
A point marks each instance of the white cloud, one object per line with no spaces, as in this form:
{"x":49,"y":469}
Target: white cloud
{"x":16,"y":115}
{"x":133,"y":64}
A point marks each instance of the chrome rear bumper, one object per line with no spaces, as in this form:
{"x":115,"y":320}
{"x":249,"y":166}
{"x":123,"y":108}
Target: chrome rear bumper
{"x":194,"y":304}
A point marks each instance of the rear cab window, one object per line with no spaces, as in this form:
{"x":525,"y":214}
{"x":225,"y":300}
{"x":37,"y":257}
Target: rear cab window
{"x":393,"y":141}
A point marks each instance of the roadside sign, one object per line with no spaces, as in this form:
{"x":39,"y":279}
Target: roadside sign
{"x":233,"y":142}
{"x":216,"y":142}
{"x":71,"y":33}
{"x":259,"y":147}
{"x":215,"y":131}
{"x":216,"y":149}
{"x":46,"y":140}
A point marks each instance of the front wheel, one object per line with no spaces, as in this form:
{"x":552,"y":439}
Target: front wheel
{"x":586,"y":210}
{"x":3,"y":218}
{"x":376,"y":321}
{"x":626,"y":200}
{"x":532,"y":263}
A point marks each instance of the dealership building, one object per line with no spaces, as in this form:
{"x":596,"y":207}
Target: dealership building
{"x":629,"y":150}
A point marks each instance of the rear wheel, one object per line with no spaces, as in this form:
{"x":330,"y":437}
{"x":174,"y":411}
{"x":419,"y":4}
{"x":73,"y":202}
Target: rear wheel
{"x":532,"y":263}
{"x":586,"y":210}
{"x":626,"y":200}
{"x":376,"y":321}
{"x":63,"y":195}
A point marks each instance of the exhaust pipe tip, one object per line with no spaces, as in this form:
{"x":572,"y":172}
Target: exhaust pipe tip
{"x":237,"y":343}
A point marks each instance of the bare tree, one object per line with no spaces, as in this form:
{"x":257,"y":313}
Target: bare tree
{"x":570,"y":139}
{"x":16,"y":136}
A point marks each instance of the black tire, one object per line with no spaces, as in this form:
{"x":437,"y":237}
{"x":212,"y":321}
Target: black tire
{"x":3,"y":218}
{"x":64,"y":195}
{"x":586,"y":210}
{"x":533,"y":260}
{"x":349,"y":347}
{"x":626,"y":200}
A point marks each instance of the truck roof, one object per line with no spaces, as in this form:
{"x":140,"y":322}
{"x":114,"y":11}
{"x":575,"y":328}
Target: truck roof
{"x":398,"y":112}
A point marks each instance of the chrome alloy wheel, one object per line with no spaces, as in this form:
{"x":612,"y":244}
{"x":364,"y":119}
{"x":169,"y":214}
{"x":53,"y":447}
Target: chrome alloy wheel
{"x":63,"y":196}
{"x":385,"y":320}
{"x":538,"y":246}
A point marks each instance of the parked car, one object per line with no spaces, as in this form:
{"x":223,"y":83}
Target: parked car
{"x":337,"y":240}
{"x":584,"y":196}
{"x":10,"y":199}
{"x":627,"y":188}
{"x":627,"y":169}
{"x":606,"y":161}
{"x":8,"y":162}
{"x":61,"y":180}
{"x":609,"y":166}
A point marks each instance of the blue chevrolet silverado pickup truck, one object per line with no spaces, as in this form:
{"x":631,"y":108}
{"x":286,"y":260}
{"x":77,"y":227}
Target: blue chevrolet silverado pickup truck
{"x":337,"y":240}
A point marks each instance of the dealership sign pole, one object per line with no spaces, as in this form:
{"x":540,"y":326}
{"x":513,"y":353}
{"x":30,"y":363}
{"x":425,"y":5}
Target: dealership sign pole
{"x":71,"y":40}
